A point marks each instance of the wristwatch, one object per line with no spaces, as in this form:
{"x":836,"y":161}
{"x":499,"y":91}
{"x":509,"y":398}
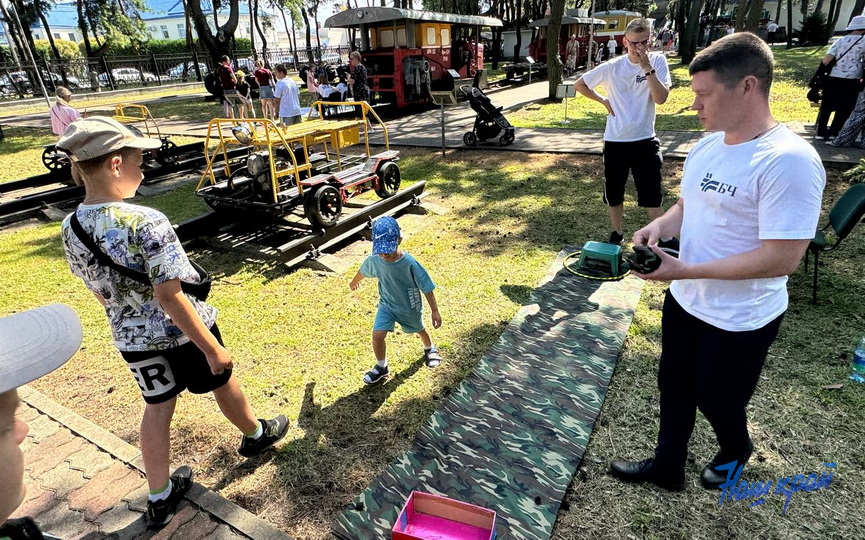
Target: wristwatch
{"x":650,"y":72}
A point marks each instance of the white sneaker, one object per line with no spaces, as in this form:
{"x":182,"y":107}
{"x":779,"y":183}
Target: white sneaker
{"x":819,"y":137}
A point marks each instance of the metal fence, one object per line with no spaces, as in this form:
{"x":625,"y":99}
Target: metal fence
{"x":117,"y":72}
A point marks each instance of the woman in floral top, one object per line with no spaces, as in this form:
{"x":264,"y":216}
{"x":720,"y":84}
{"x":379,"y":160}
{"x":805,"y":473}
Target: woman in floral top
{"x":357,"y":79}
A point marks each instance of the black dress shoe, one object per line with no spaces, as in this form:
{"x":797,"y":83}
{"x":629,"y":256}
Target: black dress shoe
{"x":712,"y":478}
{"x":646,"y":471}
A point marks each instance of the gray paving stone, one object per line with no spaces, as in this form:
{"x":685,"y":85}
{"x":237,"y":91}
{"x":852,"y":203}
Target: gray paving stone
{"x":200,"y":526}
{"x":64,"y":523}
{"x":61,"y":480}
{"x":224,"y":532}
{"x":90,"y":461}
{"x":121,"y":522}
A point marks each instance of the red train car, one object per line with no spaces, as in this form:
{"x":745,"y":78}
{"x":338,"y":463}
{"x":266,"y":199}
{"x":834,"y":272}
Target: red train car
{"x":407,"y":52}
{"x":572,"y":25}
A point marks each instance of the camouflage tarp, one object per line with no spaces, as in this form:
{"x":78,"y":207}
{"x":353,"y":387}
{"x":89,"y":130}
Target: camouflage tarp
{"x":511,"y":436}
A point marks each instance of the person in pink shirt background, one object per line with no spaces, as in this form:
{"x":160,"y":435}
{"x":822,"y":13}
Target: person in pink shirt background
{"x":62,"y":113}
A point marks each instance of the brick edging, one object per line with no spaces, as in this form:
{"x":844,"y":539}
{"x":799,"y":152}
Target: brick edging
{"x":233,"y":515}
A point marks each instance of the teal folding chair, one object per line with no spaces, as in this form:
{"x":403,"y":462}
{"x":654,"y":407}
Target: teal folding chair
{"x":845,"y":214}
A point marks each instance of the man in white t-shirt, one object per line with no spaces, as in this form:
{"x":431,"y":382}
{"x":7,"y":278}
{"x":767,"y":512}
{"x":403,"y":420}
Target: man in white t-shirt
{"x":634,"y":84}
{"x":771,"y":32}
{"x":842,"y":87}
{"x":287,"y":97}
{"x":750,"y":201}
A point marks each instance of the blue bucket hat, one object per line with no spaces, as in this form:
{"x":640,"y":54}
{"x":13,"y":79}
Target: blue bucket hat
{"x":385,"y":235}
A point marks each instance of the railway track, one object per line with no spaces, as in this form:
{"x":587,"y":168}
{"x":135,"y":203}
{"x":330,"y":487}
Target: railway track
{"x":292,"y":240}
{"x":22,"y":199}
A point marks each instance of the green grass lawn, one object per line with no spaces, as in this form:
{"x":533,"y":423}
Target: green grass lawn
{"x":793,"y":69}
{"x":22,"y":151}
{"x":301,"y":343}
{"x":100,"y":99}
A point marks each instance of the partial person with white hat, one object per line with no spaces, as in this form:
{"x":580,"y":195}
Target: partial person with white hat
{"x":35,"y":343}
{"x":842,"y":87}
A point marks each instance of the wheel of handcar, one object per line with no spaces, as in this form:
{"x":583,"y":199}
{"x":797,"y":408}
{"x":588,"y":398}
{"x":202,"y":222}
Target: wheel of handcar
{"x":53,"y":159}
{"x":167,"y":153}
{"x":324,"y":207}
{"x":470,"y":139}
{"x":389,"y":179}
{"x":511,"y":137}
{"x":504,"y":139}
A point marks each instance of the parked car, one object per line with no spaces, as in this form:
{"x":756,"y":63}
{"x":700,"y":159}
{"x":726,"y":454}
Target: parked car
{"x":127,"y":75}
{"x":71,"y":81}
{"x":331,"y":58}
{"x":177,"y":71}
{"x":287,"y":61}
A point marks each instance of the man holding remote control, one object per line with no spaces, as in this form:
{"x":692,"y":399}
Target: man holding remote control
{"x":750,"y":201}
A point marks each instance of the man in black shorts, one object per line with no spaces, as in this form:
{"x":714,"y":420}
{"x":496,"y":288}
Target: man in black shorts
{"x":634,"y":84}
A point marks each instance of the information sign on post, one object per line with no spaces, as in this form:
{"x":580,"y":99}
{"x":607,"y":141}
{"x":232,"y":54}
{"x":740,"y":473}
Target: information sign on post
{"x":565,"y":91}
{"x":531,"y":62}
{"x":442,"y":98}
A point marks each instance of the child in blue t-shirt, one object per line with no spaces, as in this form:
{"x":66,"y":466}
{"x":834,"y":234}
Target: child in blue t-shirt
{"x":401,"y":280}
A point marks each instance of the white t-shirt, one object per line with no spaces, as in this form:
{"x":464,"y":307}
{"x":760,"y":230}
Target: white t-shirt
{"x":289,"y":97}
{"x":772,"y":27}
{"x":628,"y":91}
{"x":734,"y":197}
{"x":851,"y":49}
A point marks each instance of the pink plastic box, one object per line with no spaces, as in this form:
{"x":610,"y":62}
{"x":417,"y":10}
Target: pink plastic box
{"x":434,"y":517}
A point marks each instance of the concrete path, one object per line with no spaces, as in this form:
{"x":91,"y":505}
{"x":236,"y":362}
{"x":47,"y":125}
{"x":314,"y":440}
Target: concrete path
{"x":84,"y":482}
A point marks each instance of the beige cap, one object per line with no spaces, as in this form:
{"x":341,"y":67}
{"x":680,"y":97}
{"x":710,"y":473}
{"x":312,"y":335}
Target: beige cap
{"x":96,"y":136}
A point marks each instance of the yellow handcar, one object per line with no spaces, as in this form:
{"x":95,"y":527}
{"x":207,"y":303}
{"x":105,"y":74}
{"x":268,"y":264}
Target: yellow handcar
{"x":281,"y":172}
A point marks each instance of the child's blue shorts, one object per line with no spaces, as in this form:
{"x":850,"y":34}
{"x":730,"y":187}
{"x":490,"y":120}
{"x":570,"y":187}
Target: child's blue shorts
{"x":410,"y":321}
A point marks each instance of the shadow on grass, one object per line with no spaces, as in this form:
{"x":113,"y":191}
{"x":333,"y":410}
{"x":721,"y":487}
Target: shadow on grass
{"x":329,"y":431}
{"x":512,"y":207}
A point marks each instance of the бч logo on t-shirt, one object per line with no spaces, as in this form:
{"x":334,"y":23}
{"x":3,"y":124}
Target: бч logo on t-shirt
{"x":713,"y":185}
{"x":641,"y":78}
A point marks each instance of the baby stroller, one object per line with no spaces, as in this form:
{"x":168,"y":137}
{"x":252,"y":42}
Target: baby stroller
{"x":489,"y":122}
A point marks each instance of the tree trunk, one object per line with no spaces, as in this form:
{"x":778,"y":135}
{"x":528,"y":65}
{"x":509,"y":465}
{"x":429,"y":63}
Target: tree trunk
{"x":252,"y":29}
{"x":803,"y":9}
{"x":314,"y":13}
{"x":833,"y":17}
{"x":740,"y":15}
{"x":777,"y":18}
{"x":16,"y":42}
{"x":309,"y":57}
{"x":216,"y":45}
{"x":290,"y":34}
{"x":294,"y":39}
{"x":497,"y":45}
{"x":755,"y":11}
{"x":82,"y":25}
{"x":858,"y":7}
{"x":519,"y":35}
{"x":260,"y":31}
{"x":819,"y":6}
{"x":554,"y":63}
{"x":790,"y":23}
{"x":688,"y":36}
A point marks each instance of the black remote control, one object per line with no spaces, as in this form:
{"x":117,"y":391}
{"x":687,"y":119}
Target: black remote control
{"x":644,"y":260}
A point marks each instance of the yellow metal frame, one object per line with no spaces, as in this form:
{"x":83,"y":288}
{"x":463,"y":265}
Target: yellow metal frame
{"x":268,"y":135}
{"x":131,"y":113}
{"x":367,"y":112}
